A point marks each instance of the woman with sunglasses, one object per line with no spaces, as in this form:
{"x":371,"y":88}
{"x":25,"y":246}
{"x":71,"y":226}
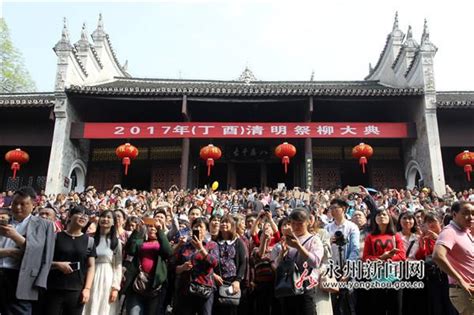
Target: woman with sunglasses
{"x":72,"y":271}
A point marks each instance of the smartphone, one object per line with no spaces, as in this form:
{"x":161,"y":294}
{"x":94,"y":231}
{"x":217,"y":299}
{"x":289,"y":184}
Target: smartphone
{"x":75,"y":266}
{"x":353,"y":189}
{"x":149,"y":221}
{"x":196,"y":234}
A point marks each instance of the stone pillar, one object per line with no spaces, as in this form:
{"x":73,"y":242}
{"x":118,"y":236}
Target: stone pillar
{"x":426,"y":149}
{"x":65,"y":153}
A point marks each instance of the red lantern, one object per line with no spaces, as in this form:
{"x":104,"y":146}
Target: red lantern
{"x":285,"y":151}
{"x":16,"y":158}
{"x":362,"y":152}
{"x":465,"y":159}
{"x":126,"y":152}
{"x":210,"y":153}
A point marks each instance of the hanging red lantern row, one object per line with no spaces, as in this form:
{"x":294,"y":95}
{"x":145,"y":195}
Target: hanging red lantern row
{"x":16,"y":158}
{"x":362,"y":152}
{"x":210,"y":153}
{"x":285,"y":151}
{"x":465,"y":159}
{"x":127,"y":153}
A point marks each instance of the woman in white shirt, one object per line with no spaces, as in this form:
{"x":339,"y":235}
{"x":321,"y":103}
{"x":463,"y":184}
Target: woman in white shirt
{"x":108,"y":268}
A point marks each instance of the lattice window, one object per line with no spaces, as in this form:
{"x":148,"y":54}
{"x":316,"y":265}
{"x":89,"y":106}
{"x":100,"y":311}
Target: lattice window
{"x":165,"y":176}
{"x":327,"y":178}
{"x":103,"y":179}
{"x":380,"y":153}
{"x":165,"y":153}
{"x":108,"y":154}
{"x":14,"y":184}
{"x":387,"y":176}
{"x":41,"y":182}
{"x":386,"y":153}
{"x":327,"y":153}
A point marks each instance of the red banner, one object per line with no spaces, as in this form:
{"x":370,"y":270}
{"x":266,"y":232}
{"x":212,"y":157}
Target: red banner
{"x":241,"y":130}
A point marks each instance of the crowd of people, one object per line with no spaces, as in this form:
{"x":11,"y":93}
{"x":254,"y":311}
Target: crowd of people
{"x":125,"y":251}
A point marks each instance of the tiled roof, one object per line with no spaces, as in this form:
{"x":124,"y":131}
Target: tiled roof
{"x":164,"y":87}
{"x":27,"y":100}
{"x":455,"y":99}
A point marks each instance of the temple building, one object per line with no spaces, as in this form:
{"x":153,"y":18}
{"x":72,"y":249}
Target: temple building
{"x":71,"y":133}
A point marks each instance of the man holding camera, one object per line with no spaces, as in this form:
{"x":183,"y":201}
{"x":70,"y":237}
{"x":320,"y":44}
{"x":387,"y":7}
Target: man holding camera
{"x":344,"y":246}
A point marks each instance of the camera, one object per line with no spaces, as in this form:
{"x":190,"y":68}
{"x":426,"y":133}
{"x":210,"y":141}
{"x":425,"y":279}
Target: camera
{"x":340,"y":240}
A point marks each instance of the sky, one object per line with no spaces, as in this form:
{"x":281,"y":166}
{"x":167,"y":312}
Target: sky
{"x":277,"y":40}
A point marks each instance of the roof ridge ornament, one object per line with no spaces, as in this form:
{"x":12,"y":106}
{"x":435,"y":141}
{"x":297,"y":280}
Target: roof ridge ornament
{"x":83,"y":43}
{"x":426,"y":44}
{"x":426,"y":32}
{"x":410,"y":42}
{"x":395,"y":22}
{"x":247,"y":76}
{"x":99,"y":32}
{"x":64,"y":43}
{"x":396,"y":31}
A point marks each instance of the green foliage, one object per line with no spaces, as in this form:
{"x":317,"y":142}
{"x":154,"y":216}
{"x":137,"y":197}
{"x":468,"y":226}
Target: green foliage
{"x":13,"y":75}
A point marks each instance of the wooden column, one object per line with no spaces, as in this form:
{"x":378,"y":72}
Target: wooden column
{"x":183,"y":180}
{"x":308,"y":150}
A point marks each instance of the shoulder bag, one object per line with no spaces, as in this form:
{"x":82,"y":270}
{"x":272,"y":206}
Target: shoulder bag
{"x":287,"y":274}
{"x":226,"y":294}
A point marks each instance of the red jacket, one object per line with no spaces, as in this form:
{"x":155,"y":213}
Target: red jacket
{"x":376,"y":245}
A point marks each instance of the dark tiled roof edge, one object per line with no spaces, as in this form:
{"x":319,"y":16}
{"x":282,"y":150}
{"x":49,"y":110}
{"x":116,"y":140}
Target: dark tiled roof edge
{"x":455,"y":99}
{"x":27,"y":100}
{"x":245,"y":91}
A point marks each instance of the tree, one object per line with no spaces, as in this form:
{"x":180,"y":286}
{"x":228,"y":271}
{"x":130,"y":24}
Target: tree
{"x":13,"y":75}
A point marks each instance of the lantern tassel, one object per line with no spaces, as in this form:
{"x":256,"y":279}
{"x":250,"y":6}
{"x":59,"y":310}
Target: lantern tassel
{"x":126,"y":162}
{"x":15,"y":167}
{"x":362,"y":162}
{"x":285,"y":160}
{"x":468,"y":170}
{"x":210,"y":163}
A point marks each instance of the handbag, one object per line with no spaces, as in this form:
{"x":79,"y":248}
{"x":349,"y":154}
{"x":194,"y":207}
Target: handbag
{"x":287,"y":274}
{"x":143,"y":285}
{"x":200,"y":290}
{"x":328,"y":284}
{"x":226,"y":294}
